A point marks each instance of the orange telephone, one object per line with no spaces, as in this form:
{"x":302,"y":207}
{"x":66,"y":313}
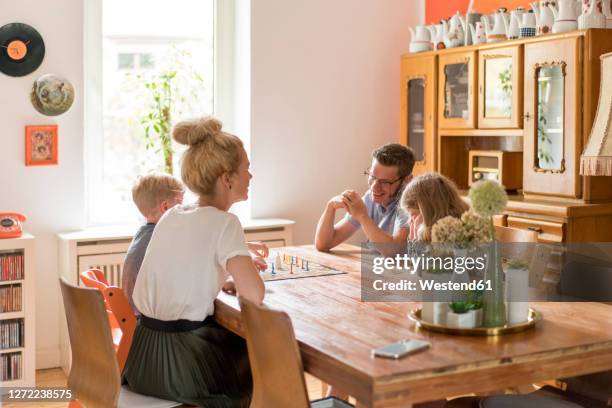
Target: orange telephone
{"x":10,"y":225}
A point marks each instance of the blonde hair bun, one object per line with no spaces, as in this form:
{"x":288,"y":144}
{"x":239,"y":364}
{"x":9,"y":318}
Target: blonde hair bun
{"x":195,"y":131}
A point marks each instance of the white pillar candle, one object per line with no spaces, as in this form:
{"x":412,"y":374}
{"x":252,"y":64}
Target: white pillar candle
{"x":517,"y":286}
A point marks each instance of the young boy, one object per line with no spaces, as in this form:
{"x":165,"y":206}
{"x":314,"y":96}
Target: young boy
{"x":153,"y":194}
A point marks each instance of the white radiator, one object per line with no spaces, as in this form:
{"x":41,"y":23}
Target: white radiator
{"x":111,"y":264}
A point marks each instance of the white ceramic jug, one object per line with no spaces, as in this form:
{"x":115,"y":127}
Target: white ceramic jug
{"x":513,"y":29}
{"x":497,"y":31}
{"x":607,"y":10}
{"x":453,"y":32}
{"x":544,"y":16}
{"x":436,"y":32}
{"x":528,"y":24}
{"x":565,"y":15}
{"x":421,"y":39}
{"x":478,"y":34}
{"x":592,"y":16}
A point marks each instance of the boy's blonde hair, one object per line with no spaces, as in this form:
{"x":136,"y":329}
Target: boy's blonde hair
{"x":211,"y":153}
{"x":436,"y":197}
{"x":150,"y":190}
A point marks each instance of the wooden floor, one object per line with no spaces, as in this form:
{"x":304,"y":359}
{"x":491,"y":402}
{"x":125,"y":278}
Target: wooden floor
{"x":55,"y":377}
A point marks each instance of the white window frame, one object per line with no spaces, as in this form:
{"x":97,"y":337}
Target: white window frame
{"x":231,"y":86}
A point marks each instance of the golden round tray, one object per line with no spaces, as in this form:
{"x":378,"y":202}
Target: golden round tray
{"x":533,"y":317}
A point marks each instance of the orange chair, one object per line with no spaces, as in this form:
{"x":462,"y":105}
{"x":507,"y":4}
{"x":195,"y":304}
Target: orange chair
{"x":120,"y":315}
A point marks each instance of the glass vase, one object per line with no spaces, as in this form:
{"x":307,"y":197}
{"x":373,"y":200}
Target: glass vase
{"x":494,"y":306}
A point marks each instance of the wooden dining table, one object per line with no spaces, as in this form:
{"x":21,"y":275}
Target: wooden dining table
{"x":337,"y":332}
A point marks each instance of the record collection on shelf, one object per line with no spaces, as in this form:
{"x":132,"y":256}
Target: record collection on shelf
{"x":17,"y":329}
{"x":10,"y":366}
{"x":10,"y":298}
{"x":11,"y":266}
{"x":11,"y":334}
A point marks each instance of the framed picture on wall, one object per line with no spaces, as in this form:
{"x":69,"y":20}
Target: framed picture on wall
{"x":41,"y":145}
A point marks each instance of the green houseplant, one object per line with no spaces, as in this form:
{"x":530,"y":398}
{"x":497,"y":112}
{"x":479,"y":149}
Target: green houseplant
{"x":170,"y":90}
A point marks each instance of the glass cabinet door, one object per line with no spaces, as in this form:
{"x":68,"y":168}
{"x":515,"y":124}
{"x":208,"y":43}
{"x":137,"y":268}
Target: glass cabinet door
{"x":416,"y":115}
{"x":552,"y":141}
{"x":549,"y":117}
{"x":455,"y":99}
{"x":418,"y":120}
{"x":500,"y":88}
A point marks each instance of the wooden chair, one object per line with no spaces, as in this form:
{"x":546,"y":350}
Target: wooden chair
{"x":121,"y":318}
{"x":276,"y":365}
{"x":95,"y":378}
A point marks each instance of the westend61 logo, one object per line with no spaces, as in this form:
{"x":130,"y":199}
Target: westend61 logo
{"x":459,"y":264}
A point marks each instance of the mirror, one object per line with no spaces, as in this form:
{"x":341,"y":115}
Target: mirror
{"x":456,"y":98}
{"x":549,"y":117}
{"x":416,"y":114}
{"x":498,"y":87}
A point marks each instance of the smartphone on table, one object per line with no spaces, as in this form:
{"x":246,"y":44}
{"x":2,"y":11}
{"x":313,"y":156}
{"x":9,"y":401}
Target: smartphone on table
{"x":401,"y":348}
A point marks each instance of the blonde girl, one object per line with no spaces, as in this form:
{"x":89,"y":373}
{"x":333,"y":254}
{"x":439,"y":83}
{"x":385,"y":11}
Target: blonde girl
{"x":428,"y":198}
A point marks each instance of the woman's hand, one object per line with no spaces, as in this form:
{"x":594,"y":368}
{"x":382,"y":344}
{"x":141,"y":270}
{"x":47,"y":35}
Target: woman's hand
{"x":260,"y":263}
{"x":229,"y":287}
{"x":258,"y":249}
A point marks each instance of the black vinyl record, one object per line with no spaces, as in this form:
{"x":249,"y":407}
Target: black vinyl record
{"x":21,"y":49}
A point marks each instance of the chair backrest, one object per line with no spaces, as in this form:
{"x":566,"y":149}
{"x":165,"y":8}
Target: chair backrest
{"x":509,"y":234}
{"x":119,"y":311}
{"x":94,"y":278}
{"x":94,"y":375}
{"x":276,"y":365}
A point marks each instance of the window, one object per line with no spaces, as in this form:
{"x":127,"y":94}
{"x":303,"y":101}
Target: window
{"x":145,"y":45}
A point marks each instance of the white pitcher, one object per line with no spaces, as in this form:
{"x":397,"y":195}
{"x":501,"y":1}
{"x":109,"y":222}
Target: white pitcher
{"x":453,"y":32}
{"x":478,"y":33}
{"x":436,"y":32}
{"x":513,"y":28}
{"x":528,"y":25}
{"x":565,"y":15}
{"x":607,"y":10}
{"x":544,"y":16}
{"x":420,"y":39}
{"x":592,"y":16}
{"x":497,"y":31}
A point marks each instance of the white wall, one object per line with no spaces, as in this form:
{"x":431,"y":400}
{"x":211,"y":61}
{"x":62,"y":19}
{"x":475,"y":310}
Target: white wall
{"x":50,"y":196}
{"x":325,"y":93}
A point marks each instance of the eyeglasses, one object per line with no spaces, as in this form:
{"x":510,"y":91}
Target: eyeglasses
{"x":383,"y":183}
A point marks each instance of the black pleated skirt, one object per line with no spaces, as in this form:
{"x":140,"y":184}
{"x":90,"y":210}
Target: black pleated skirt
{"x":205,"y":367}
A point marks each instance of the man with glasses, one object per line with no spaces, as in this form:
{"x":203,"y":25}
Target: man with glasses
{"x":377,"y":211}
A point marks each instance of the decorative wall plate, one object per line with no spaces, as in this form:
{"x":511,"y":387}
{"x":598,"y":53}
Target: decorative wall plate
{"x":22,"y":49}
{"x":52,"y":95}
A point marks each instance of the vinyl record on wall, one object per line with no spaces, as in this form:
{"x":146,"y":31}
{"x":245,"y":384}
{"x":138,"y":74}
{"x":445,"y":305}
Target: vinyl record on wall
{"x":22,"y":49}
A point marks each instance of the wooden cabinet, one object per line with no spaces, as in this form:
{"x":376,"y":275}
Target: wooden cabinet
{"x":552,"y":139}
{"x":456,"y":102}
{"x":533,"y":96}
{"x":500,"y":88}
{"x":418,"y":110}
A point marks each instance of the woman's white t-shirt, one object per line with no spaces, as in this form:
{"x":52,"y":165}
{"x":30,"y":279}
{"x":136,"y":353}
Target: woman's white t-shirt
{"x":184,"y":266}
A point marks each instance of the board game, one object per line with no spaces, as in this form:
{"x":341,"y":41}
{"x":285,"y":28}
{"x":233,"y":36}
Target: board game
{"x":284,"y":266}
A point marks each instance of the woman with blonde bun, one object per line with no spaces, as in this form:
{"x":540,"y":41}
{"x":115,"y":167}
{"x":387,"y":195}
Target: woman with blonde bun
{"x":179,"y":352}
{"x":427,"y":199}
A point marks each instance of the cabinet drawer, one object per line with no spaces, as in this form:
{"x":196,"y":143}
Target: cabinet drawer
{"x":547,"y":231}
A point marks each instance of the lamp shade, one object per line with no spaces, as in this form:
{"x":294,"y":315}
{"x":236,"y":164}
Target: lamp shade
{"x":596,"y":159}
